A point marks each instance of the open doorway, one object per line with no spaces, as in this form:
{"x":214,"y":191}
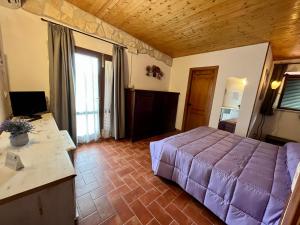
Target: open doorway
{"x":231,"y":103}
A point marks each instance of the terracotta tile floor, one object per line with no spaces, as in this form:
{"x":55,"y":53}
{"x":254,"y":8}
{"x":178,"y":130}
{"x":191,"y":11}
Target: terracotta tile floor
{"x":115,"y":185}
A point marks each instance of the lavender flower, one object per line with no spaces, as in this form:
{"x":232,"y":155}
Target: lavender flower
{"x":16,"y":128}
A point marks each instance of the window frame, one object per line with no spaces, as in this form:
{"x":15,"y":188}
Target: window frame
{"x":287,"y":77}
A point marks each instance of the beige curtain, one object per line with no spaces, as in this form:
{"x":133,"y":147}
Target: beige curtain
{"x":108,"y":79}
{"x":61,"y":76}
{"x":118,"y":94}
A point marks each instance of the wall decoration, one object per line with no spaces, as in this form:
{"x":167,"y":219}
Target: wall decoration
{"x":154,"y":71}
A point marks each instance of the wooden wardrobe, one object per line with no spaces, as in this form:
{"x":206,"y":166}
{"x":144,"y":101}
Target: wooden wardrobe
{"x":149,"y":113}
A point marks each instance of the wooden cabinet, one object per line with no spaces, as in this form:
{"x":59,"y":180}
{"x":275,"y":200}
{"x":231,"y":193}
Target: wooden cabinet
{"x":149,"y":113}
{"x":277,"y":140}
{"x":48,"y":205}
{"x":227,"y":125}
{"x":43,"y":192}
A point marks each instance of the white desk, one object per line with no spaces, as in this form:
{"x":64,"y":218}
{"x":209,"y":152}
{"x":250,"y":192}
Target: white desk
{"x":48,"y":171}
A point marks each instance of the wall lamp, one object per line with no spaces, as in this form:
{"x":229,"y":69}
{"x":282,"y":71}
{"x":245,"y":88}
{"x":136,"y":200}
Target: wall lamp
{"x":275,"y":84}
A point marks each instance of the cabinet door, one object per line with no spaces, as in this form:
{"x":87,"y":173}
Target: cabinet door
{"x":143,"y":115}
{"x":17,"y":211}
{"x":165,"y":110}
{"x":58,"y":204}
{"x":52,"y":205}
{"x":158,"y":115}
{"x":171,"y":101}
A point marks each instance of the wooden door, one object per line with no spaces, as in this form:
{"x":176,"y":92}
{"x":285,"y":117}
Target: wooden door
{"x":200,"y":92}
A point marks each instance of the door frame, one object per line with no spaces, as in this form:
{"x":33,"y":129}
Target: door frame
{"x":188,"y":90}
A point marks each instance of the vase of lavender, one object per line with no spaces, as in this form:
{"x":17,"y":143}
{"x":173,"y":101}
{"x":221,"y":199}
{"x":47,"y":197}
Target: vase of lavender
{"x":18,"y":131}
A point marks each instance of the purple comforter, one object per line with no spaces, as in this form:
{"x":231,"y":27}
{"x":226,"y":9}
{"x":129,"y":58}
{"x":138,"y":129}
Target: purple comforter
{"x":241,"y":180}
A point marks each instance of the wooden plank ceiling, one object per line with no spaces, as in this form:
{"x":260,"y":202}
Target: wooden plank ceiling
{"x":185,"y":27}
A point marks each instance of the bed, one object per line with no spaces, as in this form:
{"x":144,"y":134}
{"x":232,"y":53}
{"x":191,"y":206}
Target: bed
{"x":241,"y":180}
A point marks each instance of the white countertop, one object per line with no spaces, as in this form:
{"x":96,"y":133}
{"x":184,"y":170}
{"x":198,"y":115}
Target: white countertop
{"x":45,"y":159}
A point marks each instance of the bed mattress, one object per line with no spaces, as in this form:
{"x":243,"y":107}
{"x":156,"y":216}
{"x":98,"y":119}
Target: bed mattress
{"x":241,"y":180}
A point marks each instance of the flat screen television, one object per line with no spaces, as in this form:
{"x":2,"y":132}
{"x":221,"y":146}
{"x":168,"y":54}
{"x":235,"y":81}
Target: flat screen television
{"x":28,"y":103}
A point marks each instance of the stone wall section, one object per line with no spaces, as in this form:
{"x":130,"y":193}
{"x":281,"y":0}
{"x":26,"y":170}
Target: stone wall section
{"x":66,"y":13}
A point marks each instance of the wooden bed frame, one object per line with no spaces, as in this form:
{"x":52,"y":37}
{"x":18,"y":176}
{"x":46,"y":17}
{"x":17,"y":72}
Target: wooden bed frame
{"x":291,"y":216}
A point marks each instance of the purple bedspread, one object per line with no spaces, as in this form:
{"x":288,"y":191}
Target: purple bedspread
{"x":241,"y":180}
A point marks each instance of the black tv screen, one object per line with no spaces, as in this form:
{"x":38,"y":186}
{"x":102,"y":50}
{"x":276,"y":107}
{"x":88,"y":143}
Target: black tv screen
{"x":27,"y":103}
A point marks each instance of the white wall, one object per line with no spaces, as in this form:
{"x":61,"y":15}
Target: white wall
{"x":94,"y":44}
{"x":293,"y":68}
{"x":266,"y":77}
{"x":138,"y":75}
{"x":244,"y":62}
{"x":283,"y":123}
{"x":25,"y":44}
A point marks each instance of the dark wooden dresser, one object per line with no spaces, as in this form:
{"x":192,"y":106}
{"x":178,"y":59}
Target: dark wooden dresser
{"x":227,"y":125}
{"x":277,"y":140}
{"x":149,"y":113}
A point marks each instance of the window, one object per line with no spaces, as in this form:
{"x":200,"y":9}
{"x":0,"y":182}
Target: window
{"x":290,"y":96}
{"x":87,"y":97}
{"x":93,"y":82}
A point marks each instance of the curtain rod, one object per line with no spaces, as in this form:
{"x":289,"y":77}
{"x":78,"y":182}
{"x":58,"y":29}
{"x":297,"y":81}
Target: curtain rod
{"x":81,"y":32}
